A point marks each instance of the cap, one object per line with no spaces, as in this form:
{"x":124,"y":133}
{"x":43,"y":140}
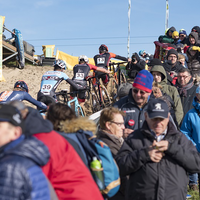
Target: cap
{"x":10,"y":114}
{"x":157,"y":108}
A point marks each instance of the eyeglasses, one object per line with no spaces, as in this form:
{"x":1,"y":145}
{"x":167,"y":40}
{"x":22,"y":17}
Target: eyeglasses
{"x":118,"y":123}
{"x":184,"y":77}
{"x":141,"y":92}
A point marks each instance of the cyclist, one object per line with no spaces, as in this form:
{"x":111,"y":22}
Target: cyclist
{"x":102,"y":60}
{"x":20,"y":93}
{"x":81,"y":72}
{"x":51,"y":80}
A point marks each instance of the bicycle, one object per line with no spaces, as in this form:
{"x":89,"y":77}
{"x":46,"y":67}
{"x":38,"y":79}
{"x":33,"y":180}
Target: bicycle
{"x":72,"y":103}
{"x":116,"y":79}
{"x":98,"y":96}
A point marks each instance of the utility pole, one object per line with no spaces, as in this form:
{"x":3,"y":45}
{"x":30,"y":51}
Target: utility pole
{"x":129,"y":14}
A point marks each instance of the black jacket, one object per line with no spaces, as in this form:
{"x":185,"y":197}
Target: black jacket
{"x":134,"y":113}
{"x":165,"y":180}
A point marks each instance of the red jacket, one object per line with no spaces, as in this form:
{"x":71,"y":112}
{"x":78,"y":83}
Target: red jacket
{"x":68,"y":175}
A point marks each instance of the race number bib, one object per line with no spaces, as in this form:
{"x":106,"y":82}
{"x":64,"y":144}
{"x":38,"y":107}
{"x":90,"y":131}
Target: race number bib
{"x":100,"y":60}
{"x":46,"y":87}
{"x":80,"y":76}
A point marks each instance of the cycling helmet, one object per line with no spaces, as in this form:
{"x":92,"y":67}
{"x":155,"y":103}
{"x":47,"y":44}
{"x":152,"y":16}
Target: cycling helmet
{"x":83,"y":57}
{"x":103,"y":48}
{"x":21,"y":84}
{"x":60,"y":63}
{"x":141,"y":52}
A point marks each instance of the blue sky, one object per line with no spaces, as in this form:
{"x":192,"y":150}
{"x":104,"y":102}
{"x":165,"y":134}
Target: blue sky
{"x":79,"y":27}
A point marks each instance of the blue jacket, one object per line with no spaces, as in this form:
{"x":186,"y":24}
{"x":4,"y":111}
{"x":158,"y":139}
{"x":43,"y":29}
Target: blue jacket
{"x":134,"y":118}
{"x":7,"y":96}
{"x":191,"y":124}
{"x":20,"y":174}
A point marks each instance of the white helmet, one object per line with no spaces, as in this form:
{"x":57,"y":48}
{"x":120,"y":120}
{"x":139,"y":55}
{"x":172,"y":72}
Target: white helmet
{"x":83,"y":57}
{"x":60,"y":63}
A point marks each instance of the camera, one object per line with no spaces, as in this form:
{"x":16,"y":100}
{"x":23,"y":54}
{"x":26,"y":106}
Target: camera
{"x":133,"y":58}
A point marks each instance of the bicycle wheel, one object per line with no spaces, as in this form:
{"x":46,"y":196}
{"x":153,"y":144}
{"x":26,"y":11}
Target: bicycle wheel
{"x":94,"y":103}
{"x":105,"y":97}
{"x":122,"y":78}
{"x":113,"y":90}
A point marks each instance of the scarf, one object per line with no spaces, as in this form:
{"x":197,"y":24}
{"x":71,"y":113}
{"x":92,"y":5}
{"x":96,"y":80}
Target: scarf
{"x":183,"y":89}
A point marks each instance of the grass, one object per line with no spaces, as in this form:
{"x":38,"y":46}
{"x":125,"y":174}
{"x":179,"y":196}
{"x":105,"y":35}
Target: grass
{"x":195,"y":194}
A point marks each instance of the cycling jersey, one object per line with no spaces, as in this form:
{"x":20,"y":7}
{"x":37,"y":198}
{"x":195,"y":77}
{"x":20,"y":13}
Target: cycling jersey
{"x":102,"y":60}
{"x":81,"y":71}
{"x":7,"y":96}
{"x":50,"y":82}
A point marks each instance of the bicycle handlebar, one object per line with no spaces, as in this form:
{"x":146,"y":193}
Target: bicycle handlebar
{"x":114,"y":63}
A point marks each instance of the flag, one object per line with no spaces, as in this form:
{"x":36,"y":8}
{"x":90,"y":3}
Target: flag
{"x":129,"y":14}
{"x":167,"y":15}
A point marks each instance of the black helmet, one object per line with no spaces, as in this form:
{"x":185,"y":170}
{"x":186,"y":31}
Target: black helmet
{"x":103,"y":48}
{"x":21,"y":84}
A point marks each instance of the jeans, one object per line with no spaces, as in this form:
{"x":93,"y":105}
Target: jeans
{"x":193,"y":179}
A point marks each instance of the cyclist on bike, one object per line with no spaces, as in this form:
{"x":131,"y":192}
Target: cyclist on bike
{"x":81,"y":72}
{"x":102,"y":60}
{"x":51,"y":80}
{"x":20,"y":93}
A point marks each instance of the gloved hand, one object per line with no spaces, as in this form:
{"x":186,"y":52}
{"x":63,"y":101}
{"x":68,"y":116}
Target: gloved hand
{"x":196,"y":48}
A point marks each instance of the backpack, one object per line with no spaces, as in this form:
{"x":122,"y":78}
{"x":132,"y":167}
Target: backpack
{"x":94,"y":147}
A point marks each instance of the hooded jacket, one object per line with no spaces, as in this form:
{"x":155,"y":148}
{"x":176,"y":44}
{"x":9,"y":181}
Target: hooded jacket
{"x":194,"y":56}
{"x":65,"y":170}
{"x":164,"y":180}
{"x":171,"y":91}
{"x":21,"y":176}
{"x":191,"y":126}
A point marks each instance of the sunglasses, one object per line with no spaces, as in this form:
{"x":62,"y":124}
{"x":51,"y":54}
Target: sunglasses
{"x":181,"y":35}
{"x":141,"y":92}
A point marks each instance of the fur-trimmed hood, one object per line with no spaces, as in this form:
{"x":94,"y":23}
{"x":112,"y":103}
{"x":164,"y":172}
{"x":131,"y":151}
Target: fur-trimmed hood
{"x":81,"y":123}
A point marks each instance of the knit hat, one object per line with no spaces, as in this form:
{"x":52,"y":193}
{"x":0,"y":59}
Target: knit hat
{"x":182,"y":31}
{"x":172,"y":51}
{"x":155,"y":61}
{"x":143,"y":81}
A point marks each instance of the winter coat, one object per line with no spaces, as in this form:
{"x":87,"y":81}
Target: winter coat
{"x":171,"y":91}
{"x":191,"y":124}
{"x":65,"y":170}
{"x":134,"y":118}
{"x":187,"y":98}
{"x":21,"y":176}
{"x":193,"y":57}
{"x":164,"y":180}
{"x":115,"y":146}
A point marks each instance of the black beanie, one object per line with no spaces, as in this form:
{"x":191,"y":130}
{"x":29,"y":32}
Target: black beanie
{"x":155,"y":61}
{"x":172,"y":51}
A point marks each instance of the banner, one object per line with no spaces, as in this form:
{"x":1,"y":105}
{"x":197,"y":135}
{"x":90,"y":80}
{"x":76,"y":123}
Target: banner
{"x":167,"y":15}
{"x":71,"y":61}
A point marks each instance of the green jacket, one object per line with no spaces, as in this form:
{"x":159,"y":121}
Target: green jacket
{"x":171,"y":91}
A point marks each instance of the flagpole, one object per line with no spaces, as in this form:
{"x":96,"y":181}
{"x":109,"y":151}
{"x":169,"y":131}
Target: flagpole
{"x":129,"y":14}
{"x":167,"y":15}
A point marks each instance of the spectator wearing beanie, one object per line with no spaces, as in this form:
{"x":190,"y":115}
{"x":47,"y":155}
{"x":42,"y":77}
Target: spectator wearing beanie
{"x":160,"y":77}
{"x":183,"y":37}
{"x":135,"y":103}
{"x":172,"y":60}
